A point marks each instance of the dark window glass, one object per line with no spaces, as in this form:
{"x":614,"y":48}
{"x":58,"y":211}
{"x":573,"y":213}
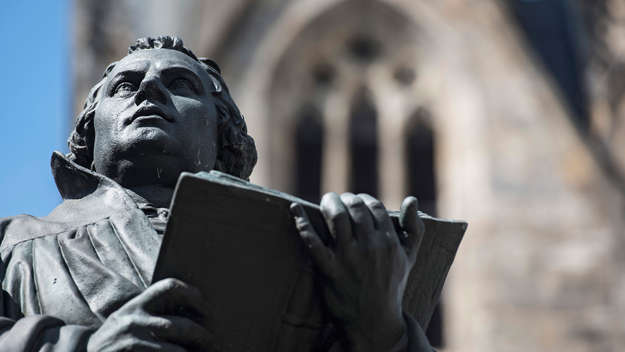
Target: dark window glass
{"x":363,"y":145}
{"x":308,"y":153}
{"x":552,"y":30}
{"x":421,"y":178}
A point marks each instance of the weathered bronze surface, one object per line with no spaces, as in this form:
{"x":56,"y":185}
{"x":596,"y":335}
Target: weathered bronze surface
{"x":81,"y":277}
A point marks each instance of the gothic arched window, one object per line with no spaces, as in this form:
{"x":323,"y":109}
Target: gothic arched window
{"x":420,"y":167}
{"x":363,"y":144}
{"x":308,"y":152}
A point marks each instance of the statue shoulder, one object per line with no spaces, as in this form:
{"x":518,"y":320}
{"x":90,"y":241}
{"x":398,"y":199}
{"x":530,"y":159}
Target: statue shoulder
{"x":20,"y":228}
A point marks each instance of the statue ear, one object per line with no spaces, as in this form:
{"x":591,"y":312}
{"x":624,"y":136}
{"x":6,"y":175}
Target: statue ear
{"x":216,"y":84}
{"x":210,"y":63}
{"x":214,"y":71}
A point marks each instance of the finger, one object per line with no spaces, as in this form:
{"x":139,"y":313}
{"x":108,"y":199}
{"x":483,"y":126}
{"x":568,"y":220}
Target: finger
{"x":380,"y":216}
{"x":362,"y":221}
{"x":412,"y":225}
{"x":337,"y":218}
{"x":181,"y":331}
{"x":172,"y":296}
{"x":322,"y":255}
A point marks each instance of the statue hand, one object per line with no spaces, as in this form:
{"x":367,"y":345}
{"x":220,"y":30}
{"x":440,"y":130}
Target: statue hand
{"x":156,"y":320}
{"x":364,"y":275}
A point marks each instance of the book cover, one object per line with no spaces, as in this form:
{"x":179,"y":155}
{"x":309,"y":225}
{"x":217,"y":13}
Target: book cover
{"x":237,"y":243}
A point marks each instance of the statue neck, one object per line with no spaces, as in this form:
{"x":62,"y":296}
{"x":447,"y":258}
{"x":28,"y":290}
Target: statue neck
{"x":157,"y":195}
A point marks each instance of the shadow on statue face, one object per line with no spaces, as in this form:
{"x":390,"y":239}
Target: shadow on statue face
{"x":156,"y":117}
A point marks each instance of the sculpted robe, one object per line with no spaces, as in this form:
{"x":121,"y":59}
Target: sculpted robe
{"x":64,"y":274}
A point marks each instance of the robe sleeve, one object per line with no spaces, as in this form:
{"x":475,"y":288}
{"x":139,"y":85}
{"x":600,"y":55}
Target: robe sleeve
{"x":42,"y":333}
{"x":414,"y":340}
{"x":34,"y":332}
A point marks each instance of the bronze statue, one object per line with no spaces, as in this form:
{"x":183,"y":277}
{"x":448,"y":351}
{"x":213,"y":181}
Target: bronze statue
{"x":80,"y":278}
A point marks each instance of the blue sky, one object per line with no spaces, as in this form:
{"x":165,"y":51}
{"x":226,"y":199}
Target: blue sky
{"x":35,"y":102}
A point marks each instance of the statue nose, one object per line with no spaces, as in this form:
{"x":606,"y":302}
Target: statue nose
{"x":151,"y":89}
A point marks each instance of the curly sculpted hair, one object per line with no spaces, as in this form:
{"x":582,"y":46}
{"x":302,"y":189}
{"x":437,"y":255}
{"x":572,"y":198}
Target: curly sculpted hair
{"x":236,"y":153}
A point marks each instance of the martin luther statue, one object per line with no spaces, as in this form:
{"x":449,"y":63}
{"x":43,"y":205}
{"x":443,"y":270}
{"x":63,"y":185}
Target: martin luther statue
{"x":80,"y":278}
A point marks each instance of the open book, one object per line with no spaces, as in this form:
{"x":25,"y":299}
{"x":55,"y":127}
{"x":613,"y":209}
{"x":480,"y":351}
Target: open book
{"x":237,"y":243}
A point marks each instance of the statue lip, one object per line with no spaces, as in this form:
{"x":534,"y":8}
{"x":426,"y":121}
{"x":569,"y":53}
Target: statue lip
{"x":150,"y":110}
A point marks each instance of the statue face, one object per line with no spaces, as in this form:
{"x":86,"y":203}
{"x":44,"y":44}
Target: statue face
{"x":156,"y":117}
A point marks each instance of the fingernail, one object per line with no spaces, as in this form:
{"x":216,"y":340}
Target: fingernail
{"x":297,"y":209}
{"x":410,"y":199}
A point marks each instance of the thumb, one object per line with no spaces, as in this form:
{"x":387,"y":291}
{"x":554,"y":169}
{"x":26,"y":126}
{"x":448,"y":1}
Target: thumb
{"x":412,"y":225}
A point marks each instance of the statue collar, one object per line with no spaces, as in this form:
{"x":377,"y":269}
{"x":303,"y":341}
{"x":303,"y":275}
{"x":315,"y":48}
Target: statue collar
{"x":74,"y":181}
{"x":87,"y":195}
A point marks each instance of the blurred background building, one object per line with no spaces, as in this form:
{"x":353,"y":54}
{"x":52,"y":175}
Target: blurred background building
{"x":509,"y":114}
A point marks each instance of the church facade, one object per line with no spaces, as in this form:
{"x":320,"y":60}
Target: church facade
{"x":458,"y":102}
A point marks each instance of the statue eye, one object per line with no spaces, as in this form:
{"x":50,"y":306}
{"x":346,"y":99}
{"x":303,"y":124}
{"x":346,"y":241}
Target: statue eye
{"x":124,"y":88}
{"x":181,"y":84}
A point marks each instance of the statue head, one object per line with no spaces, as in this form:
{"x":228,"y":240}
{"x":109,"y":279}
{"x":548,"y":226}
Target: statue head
{"x":159,"y":111}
